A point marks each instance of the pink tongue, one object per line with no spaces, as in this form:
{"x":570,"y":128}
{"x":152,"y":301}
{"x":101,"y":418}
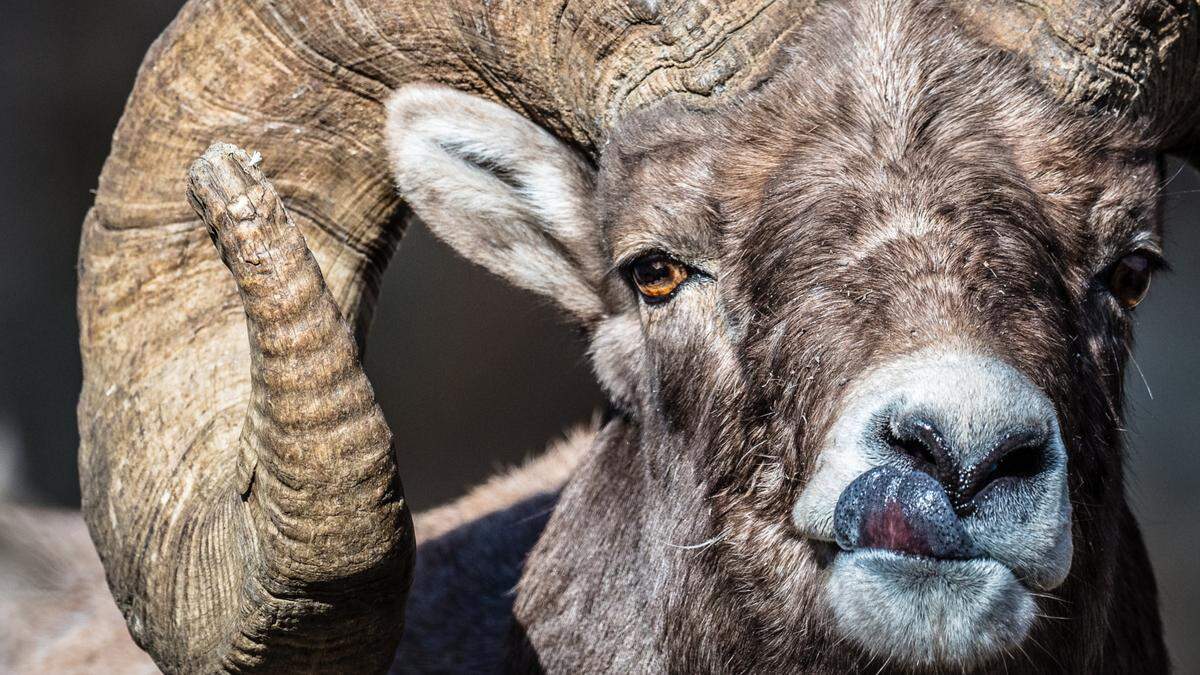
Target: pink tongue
{"x":887,"y":528}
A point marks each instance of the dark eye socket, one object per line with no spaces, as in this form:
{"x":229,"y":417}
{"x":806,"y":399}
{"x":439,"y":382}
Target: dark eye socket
{"x":656,"y":276}
{"x":1129,"y":279}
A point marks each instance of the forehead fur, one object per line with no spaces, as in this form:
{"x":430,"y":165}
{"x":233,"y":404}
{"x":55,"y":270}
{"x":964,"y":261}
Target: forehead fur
{"x":656,"y":186}
{"x":891,"y":115}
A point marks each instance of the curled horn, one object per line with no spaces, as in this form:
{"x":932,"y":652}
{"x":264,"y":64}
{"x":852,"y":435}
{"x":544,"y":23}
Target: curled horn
{"x":238,"y":478}
{"x":1139,"y":59}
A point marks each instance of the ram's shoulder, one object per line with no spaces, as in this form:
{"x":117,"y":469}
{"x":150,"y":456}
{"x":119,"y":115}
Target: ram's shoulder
{"x":469,"y":558}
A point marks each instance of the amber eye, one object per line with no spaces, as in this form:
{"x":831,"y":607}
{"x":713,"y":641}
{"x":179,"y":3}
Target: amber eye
{"x":657,"y":276}
{"x":1129,"y":279}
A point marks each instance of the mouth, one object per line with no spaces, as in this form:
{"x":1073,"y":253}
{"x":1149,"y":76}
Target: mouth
{"x":925,"y":612}
{"x":913,"y":583}
{"x":941,"y":500}
{"x":909,"y":584}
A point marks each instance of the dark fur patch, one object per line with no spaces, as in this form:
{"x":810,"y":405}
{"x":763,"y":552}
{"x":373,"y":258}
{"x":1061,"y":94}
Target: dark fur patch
{"x":469,"y":573}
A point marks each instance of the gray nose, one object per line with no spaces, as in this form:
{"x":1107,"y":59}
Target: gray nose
{"x":945,"y":453}
{"x":948,"y":455}
{"x":932,"y":479}
{"x":997,"y":460}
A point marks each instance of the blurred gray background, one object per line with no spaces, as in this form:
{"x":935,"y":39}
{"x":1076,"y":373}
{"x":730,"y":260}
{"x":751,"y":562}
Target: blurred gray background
{"x":472,"y":374}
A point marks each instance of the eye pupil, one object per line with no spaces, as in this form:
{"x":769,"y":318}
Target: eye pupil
{"x":652,"y":271}
{"x":1130,"y":279}
{"x":657,"y":276}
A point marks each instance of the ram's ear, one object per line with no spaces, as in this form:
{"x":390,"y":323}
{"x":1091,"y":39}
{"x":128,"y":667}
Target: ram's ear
{"x":500,"y":190}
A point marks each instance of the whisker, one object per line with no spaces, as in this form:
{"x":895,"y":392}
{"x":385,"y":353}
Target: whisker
{"x":838,"y":642}
{"x":537,"y":514}
{"x":1170,"y":180}
{"x":1178,"y":193}
{"x":1047,"y":596}
{"x":701,"y":545}
{"x":1025,"y":653}
{"x":1142,"y":375}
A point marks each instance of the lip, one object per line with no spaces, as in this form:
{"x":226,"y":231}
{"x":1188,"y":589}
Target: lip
{"x":927,"y":568}
{"x":929,"y":612}
{"x":826,"y":551}
{"x":912,"y":556}
{"x":889,"y":554}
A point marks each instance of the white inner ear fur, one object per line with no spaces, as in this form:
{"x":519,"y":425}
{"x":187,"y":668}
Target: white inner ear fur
{"x":500,"y":190}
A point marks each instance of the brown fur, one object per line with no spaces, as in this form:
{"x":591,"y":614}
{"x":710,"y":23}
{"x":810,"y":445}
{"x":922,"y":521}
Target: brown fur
{"x":898,"y":185}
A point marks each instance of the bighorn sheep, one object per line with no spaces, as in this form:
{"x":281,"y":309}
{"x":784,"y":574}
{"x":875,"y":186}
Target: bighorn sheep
{"x":855,"y":277}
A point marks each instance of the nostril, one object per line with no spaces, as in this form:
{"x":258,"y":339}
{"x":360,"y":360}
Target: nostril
{"x":923,"y":459}
{"x":920,"y":441}
{"x":1018,"y":458}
